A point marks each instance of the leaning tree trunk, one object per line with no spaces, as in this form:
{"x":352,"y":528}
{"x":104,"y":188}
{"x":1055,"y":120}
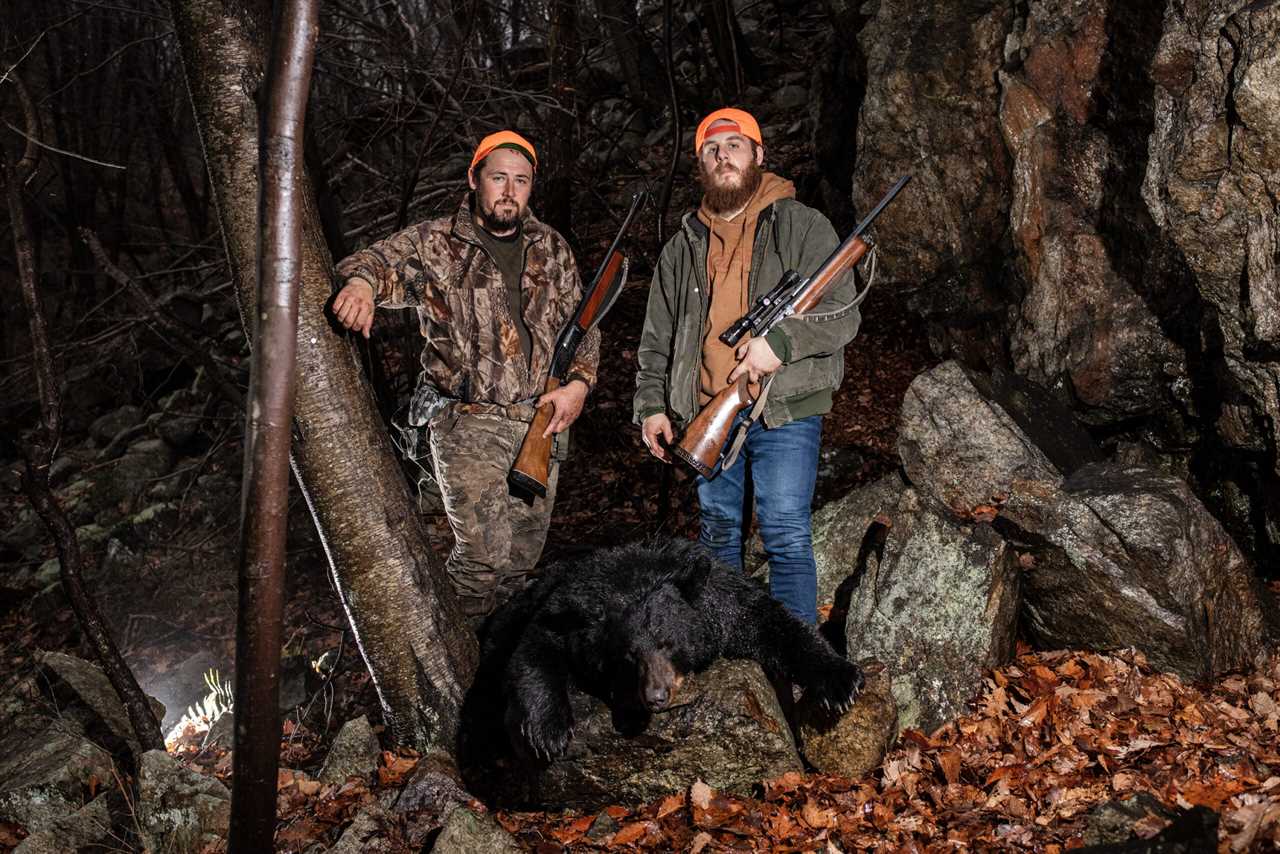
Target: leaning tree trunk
{"x":400,"y":604}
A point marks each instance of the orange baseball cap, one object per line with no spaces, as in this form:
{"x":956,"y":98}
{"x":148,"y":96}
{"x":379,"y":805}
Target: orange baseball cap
{"x":740,"y":121}
{"x":503,"y":139}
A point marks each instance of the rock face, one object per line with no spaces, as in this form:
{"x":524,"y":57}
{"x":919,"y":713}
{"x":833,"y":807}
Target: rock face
{"x":1213,"y":185}
{"x":1076,"y":122}
{"x":938,"y":607}
{"x":965,"y":450}
{"x":45,"y":768}
{"x":724,"y":727}
{"x":87,"y":684}
{"x":354,"y":753}
{"x":930,"y":109}
{"x":178,"y":809}
{"x":1119,"y":555}
{"x":1096,"y":207}
{"x":1134,"y":559}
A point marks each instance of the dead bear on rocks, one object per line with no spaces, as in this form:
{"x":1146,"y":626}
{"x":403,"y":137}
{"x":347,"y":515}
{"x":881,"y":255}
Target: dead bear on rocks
{"x":626,"y":625}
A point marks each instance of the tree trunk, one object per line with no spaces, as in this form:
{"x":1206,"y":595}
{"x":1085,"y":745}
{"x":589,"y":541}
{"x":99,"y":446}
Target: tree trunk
{"x":640,"y":67}
{"x":264,"y":515}
{"x":401,"y":606}
{"x":738,"y":66}
{"x":562,"y":53}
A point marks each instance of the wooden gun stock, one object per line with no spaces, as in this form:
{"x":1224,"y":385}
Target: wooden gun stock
{"x":533,"y":463}
{"x":702,"y":443}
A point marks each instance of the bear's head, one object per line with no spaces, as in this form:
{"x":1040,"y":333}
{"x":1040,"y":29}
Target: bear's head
{"x":649,"y":644}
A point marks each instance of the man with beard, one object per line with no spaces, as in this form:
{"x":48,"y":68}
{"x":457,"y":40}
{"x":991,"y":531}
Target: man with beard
{"x":747,"y":232}
{"x":493,"y":286}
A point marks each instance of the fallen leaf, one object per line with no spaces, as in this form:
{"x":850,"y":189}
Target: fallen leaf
{"x":629,"y":833}
{"x":949,"y":761}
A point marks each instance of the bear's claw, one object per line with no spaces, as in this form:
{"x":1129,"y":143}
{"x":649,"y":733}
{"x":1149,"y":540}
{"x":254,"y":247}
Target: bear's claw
{"x":545,"y":731}
{"x":837,"y":687}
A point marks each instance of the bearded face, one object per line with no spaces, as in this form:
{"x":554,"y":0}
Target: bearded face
{"x":729,"y":171}
{"x":502,"y":182}
{"x":726,"y":187}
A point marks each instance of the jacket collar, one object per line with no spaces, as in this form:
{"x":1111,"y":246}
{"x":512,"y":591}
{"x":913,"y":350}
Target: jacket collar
{"x":696,"y":229}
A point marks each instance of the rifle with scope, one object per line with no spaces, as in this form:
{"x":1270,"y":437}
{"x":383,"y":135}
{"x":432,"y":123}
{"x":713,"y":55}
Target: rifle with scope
{"x":703,"y":443}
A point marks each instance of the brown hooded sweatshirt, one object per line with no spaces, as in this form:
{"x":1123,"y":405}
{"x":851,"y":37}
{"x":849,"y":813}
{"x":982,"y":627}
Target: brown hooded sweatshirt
{"x":729,"y":248}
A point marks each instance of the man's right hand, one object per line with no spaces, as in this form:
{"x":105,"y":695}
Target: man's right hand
{"x":655,"y":426}
{"x":353,"y":306}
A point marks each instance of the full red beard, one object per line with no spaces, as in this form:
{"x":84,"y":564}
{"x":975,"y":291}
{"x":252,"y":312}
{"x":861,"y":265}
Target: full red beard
{"x":726,"y":199}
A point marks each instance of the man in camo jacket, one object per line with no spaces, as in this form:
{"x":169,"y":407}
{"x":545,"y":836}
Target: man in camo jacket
{"x":493,"y":287}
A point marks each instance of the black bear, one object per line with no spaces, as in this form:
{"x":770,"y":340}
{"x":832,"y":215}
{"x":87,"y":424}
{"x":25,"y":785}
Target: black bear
{"x":626,"y":624}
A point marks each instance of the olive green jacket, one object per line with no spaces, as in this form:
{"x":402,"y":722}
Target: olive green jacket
{"x":789,"y":236}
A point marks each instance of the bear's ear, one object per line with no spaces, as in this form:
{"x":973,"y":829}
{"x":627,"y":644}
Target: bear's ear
{"x":691,"y":574}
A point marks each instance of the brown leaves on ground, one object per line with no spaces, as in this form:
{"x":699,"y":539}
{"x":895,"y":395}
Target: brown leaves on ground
{"x":1052,"y":736}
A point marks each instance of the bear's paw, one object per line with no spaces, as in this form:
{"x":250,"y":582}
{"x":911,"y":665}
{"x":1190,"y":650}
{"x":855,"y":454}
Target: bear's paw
{"x":542,"y":729}
{"x":834,"y":685}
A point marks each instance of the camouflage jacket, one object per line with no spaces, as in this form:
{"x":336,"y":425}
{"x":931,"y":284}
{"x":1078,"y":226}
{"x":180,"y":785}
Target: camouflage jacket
{"x":472,"y":348}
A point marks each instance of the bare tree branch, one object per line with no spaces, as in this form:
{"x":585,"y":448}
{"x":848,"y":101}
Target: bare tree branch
{"x":39,"y":451}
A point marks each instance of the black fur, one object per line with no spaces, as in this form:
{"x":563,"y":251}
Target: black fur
{"x":624,"y":624}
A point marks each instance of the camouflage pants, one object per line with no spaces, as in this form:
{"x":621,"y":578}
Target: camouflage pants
{"x":498,"y":536}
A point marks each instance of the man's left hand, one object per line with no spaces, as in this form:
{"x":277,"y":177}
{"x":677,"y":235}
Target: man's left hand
{"x":756,"y":359}
{"x":566,"y":403}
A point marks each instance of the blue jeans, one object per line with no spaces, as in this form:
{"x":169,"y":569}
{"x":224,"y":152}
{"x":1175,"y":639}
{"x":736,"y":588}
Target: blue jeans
{"x":783,"y":465}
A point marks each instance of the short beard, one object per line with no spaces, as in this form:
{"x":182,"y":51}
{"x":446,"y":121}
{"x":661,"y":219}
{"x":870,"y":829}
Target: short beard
{"x":729,"y":199}
{"x":495,"y":222}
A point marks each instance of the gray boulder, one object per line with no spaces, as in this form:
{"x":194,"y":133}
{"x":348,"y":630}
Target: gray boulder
{"x":354,"y":753}
{"x":106,"y":427}
{"x":724,"y":727}
{"x":938,"y":607}
{"x":89,"y":827}
{"x":1123,"y":555}
{"x":27,"y":531}
{"x":179,"y":417}
{"x":132,"y":474}
{"x":45,"y":768}
{"x":179,"y":809}
{"x":367,"y":834}
{"x":1131,"y":558}
{"x":86,"y":683}
{"x":466,"y":831}
{"x":965,"y":451}
{"x":852,"y":744}
{"x":791,"y":98}
{"x":62,"y":468}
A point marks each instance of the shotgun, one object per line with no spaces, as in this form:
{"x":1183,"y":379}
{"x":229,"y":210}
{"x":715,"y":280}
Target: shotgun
{"x":702,"y":445}
{"x":533,"y":463}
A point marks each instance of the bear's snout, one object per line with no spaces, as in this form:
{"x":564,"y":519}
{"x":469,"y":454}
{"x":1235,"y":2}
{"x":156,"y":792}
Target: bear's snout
{"x":659,"y":680}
